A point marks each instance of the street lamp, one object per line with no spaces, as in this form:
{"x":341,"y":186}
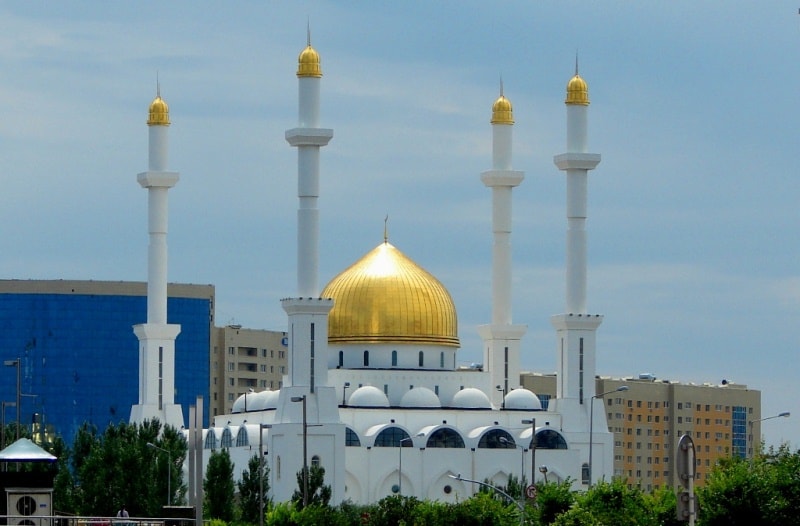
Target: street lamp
{"x":261,"y":428}
{"x":543,"y":470}
{"x":400,"y":470}
{"x":305,"y":448}
{"x":532,"y":422}
{"x":784,"y":414}
{"x":16,"y":363}
{"x":169,"y":471}
{"x":345,"y":387}
{"x":591,"y":423}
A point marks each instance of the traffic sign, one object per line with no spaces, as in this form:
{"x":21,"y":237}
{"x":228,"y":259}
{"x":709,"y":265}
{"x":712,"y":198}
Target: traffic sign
{"x":530,"y":491}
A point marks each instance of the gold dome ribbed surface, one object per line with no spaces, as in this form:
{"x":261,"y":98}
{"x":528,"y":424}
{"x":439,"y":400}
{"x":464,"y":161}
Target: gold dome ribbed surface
{"x":502,"y":112}
{"x":308,"y":63}
{"x":577,"y":91}
{"x":385,"y":297}
{"x":158,"y":113}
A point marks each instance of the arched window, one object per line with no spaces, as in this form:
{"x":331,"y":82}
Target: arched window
{"x":351,"y":438}
{"x":391,"y":437}
{"x":441,"y":360}
{"x":549,"y":439}
{"x":315,"y":461}
{"x":366,"y":358}
{"x":445,"y":437}
{"x":227,"y":438}
{"x":211,"y":440}
{"x":421,"y":359}
{"x":491,"y":440}
{"x":585,"y":476}
{"x":241,"y":437}
{"x":394,"y":358}
{"x":341,"y":358}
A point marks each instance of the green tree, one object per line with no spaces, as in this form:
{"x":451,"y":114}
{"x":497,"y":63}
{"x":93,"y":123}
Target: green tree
{"x":118,"y":468}
{"x":553,"y":499}
{"x":250,"y":496}
{"x":218,"y":486}
{"x":318,"y":493}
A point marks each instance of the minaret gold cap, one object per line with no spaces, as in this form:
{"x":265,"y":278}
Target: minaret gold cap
{"x":159,"y":112}
{"x":577,"y":91}
{"x":308,"y":63}
{"x":502,"y":113}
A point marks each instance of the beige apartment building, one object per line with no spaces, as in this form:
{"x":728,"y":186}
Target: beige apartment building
{"x":244,"y":360}
{"x":649,"y":418}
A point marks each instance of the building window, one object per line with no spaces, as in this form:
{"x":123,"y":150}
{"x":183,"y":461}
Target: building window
{"x":441,"y":360}
{"x":445,"y":437}
{"x":585,"y":473}
{"x":391,"y":437}
{"x":366,"y":358}
{"x":394,"y":358}
{"x":315,"y":461}
{"x":351,"y":438}
{"x":231,"y":351}
{"x":491,"y":440}
{"x":231,"y":366}
{"x":421,"y":359}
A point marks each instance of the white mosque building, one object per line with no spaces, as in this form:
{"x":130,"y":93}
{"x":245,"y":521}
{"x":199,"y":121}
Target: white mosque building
{"x":373,"y":393}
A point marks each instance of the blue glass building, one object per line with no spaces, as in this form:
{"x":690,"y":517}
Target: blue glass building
{"x":79,"y":355}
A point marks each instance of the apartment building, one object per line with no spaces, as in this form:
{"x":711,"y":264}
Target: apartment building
{"x":244,"y":360}
{"x":650,"y":416}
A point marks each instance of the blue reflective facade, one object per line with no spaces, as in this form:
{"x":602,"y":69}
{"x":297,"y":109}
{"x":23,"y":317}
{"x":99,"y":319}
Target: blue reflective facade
{"x":79,"y":356}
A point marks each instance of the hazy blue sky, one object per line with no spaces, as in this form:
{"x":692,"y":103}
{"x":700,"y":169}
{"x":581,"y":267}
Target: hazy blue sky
{"x":693,"y":218}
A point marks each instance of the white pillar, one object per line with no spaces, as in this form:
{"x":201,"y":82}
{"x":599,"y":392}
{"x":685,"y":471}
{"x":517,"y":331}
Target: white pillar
{"x":157,"y":337}
{"x":502,"y":339}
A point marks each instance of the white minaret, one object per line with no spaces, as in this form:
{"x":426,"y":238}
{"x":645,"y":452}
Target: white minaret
{"x":157,"y":337}
{"x":305,"y":395}
{"x":501,"y":339}
{"x":576,"y":328}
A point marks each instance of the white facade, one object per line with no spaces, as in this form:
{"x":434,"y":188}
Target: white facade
{"x":398,"y":417}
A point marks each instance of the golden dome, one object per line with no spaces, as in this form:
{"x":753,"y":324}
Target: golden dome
{"x":159,"y":112}
{"x":308,"y":63}
{"x":577,"y":91}
{"x":502,"y":112}
{"x":384,"y":297}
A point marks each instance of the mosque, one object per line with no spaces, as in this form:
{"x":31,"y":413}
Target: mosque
{"x":372,"y":392}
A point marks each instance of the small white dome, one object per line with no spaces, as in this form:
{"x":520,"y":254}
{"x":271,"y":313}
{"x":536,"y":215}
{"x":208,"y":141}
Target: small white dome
{"x":523,"y":399}
{"x":368,"y":396}
{"x":258,"y":401}
{"x":271,"y":400}
{"x":239,"y":404}
{"x":420,"y":397}
{"x":471,"y":398}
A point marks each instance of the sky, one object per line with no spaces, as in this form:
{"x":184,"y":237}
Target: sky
{"x":693,"y":223}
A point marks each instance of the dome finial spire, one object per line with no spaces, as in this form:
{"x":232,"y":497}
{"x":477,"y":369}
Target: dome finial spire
{"x":576,"y":62}
{"x":386,"y":229}
{"x":501,"y":85}
{"x":308,"y":31}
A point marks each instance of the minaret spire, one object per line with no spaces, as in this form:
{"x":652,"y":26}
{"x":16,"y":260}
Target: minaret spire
{"x":157,"y":337}
{"x":501,"y":338}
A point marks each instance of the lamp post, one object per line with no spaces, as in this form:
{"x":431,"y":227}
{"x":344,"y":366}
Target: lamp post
{"x":169,"y":471}
{"x":261,"y":428}
{"x":591,"y":423}
{"x":16,"y":363}
{"x":543,"y":470}
{"x":532,"y":422}
{"x":345,"y":387}
{"x":784,"y":414}
{"x":305,"y":448}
